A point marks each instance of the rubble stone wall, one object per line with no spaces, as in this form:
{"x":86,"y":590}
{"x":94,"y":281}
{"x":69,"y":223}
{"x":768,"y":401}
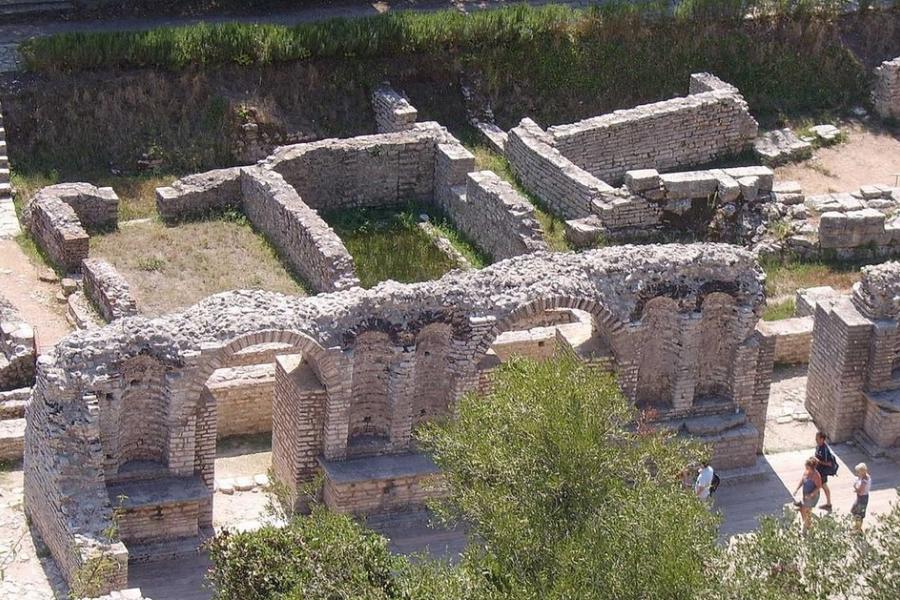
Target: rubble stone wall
{"x":713,"y":121}
{"x":18,"y":351}
{"x":886,"y":91}
{"x":309,"y":245}
{"x":496,"y":217}
{"x":107,"y":289}
{"x":58,"y":231}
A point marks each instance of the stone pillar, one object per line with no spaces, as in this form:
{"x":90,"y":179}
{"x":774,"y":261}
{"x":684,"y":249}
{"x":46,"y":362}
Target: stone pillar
{"x":886,"y":91}
{"x":686,"y":370}
{"x":205,"y":451}
{"x":883,"y":347}
{"x":837,"y":369}
{"x":337,"y":373}
{"x":401,"y":387}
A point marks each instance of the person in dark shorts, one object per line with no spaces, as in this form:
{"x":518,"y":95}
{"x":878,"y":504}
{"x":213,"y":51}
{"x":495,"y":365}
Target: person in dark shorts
{"x":862,"y":486}
{"x":810,"y":483}
{"x":826,"y":467}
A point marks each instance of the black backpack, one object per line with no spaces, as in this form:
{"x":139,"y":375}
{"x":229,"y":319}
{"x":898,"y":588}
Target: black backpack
{"x":832,"y":470}
{"x":715,"y":484}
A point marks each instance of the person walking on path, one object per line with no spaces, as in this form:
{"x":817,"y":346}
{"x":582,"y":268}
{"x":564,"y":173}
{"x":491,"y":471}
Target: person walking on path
{"x":827,"y":466}
{"x":862,"y":486}
{"x":811,"y":483}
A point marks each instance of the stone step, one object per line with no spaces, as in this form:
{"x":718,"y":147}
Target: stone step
{"x":2,"y":130}
{"x":12,"y":439}
{"x":4,"y":160}
{"x":4,"y":174}
{"x":13,"y":403}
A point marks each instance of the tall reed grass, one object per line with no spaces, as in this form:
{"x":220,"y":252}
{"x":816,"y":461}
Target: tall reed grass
{"x":390,"y":34}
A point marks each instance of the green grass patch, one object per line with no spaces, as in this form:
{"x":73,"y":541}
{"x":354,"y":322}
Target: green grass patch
{"x":785,"y":278}
{"x":387,"y":244}
{"x":780,"y":310}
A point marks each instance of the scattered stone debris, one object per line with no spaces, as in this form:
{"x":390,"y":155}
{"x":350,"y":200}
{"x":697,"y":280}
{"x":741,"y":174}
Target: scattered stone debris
{"x":781,"y":146}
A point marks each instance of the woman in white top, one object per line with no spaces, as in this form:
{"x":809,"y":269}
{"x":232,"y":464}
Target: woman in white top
{"x":862,"y":486}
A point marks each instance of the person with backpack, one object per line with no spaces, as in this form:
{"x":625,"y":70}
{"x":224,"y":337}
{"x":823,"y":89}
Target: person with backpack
{"x":707,"y":481}
{"x":827,"y":466}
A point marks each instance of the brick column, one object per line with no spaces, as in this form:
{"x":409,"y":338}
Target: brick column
{"x":337,"y":374}
{"x":401,"y":387}
{"x":686,"y":371}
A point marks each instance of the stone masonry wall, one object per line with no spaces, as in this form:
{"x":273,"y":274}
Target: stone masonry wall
{"x":393,"y":112}
{"x":97,"y":208}
{"x":886,"y":91}
{"x":107,"y":289}
{"x":496,"y":217}
{"x":57,"y":230}
{"x":698,"y":128}
{"x":299,"y":233}
{"x":568,"y":190}
{"x":793,"y":338}
{"x":199,"y":195}
{"x":243,"y":398}
{"x":366,"y":171}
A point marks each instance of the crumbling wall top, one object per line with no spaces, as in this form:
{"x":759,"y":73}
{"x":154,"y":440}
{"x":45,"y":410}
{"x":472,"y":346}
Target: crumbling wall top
{"x":877,"y":294}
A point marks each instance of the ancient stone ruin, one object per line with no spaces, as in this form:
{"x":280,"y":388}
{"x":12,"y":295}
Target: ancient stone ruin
{"x":126,"y":411}
{"x":886,"y":93}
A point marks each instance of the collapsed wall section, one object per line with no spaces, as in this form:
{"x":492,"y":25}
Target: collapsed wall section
{"x":713,"y":121}
{"x":309,"y":245}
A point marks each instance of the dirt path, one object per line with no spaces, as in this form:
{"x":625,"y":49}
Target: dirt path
{"x":34,"y":299}
{"x":869,"y":156}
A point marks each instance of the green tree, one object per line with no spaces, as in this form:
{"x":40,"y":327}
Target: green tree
{"x":568,"y":493}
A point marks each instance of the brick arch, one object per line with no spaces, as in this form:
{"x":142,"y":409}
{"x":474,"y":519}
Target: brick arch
{"x":607,"y":324}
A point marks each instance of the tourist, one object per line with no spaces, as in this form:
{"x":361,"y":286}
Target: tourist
{"x":827,"y":466}
{"x":811,"y":483}
{"x":703,"y":485}
{"x":862,"y":486}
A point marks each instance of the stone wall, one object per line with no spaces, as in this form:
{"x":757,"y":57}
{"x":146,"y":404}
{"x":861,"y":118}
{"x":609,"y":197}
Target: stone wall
{"x":18,"y":350}
{"x":886,"y":91}
{"x":97,"y":208}
{"x":568,"y":190}
{"x":854,"y":371}
{"x":107,"y":289}
{"x":793,"y":338}
{"x":498,"y":219}
{"x":366,"y":171}
{"x":121,"y":383}
{"x":308,"y":244}
{"x":393,"y":112}
{"x":57,"y":230}
{"x":243,"y":397}
{"x":200,"y":195}
{"x":712,"y":122}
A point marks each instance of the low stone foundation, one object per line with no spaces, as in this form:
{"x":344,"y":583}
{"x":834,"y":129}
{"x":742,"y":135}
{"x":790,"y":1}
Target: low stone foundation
{"x":107,"y":289}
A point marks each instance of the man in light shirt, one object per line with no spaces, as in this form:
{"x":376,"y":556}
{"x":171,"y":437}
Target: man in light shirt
{"x":704,"y":480}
